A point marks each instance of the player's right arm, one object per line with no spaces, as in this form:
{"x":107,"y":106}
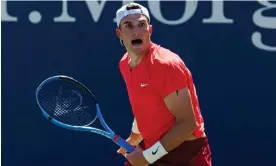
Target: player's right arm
{"x":134,"y":138}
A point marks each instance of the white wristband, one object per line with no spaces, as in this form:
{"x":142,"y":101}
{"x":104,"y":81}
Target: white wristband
{"x":155,"y":152}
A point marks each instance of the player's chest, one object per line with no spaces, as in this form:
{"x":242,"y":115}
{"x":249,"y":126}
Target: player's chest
{"x":141,"y":86}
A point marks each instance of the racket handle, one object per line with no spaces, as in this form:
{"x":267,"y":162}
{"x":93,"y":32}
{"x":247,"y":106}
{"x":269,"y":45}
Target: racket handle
{"x":122,"y":143}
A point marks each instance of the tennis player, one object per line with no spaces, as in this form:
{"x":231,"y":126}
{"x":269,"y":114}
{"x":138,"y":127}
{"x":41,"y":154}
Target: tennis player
{"x":162,"y":96}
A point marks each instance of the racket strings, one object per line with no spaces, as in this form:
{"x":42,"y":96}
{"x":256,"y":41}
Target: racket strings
{"x":76,"y":115}
{"x":70,"y":107}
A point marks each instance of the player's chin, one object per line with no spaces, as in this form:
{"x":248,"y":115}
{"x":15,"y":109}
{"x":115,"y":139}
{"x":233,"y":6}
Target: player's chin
{"x":138,"y":47}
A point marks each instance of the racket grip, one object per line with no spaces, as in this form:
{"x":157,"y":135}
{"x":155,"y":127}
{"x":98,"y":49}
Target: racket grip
{"x":122,"y":143}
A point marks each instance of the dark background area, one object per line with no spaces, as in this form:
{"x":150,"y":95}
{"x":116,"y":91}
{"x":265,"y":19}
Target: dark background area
{"x":235,"y":81}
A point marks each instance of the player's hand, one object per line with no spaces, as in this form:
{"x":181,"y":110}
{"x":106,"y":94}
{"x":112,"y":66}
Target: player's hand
{"x":133,"y":139}
{"x":121,"y":151}
{"x":124,"y":151}
{"x":136,"y":158}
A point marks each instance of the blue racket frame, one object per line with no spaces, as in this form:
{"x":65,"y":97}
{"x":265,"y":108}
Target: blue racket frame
{"x":108,"y":133}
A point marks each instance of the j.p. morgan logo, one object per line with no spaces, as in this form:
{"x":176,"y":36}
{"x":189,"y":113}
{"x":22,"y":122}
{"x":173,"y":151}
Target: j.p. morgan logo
{"x":217,"y":16}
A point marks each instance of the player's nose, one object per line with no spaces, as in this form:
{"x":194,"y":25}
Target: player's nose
{"x":136,"y":33}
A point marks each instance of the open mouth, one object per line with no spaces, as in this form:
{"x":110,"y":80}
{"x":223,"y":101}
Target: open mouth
{"x":137,"y":42}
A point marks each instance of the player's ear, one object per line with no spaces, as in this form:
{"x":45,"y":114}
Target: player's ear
{"x":118,"y":33}
{"x":150,"y":29}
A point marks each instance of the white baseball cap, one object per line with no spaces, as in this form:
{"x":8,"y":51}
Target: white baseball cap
{"x":123,"y":12}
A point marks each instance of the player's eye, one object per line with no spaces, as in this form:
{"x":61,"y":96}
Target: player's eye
{"x":129,"y":26}
{"x":141,"y":24}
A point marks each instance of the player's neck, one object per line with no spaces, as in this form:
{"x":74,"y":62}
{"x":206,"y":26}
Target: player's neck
{"x":136,"y":59}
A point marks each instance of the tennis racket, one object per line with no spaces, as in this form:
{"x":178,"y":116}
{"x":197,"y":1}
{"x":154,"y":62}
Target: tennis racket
{"x":68,"y":103}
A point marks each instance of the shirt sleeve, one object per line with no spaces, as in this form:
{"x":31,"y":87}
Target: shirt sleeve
{"x":173,"y":77}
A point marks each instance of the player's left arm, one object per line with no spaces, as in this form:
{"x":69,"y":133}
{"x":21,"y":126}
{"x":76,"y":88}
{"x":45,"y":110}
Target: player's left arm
{"x":173,"y":88}
{"x":180,"y":105}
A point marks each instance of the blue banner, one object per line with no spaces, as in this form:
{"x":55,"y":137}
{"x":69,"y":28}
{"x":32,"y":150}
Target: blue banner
{"x":230,"y":48}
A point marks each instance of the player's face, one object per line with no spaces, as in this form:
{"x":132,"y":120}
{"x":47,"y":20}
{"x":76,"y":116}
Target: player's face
{"x":135,"y":32}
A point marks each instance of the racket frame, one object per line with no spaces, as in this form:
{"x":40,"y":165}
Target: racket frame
{"x":108,"y":133}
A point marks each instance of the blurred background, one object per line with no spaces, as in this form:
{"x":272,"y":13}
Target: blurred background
{"x":230,"y":48}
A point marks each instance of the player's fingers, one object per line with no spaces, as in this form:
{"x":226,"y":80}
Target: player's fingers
{"x":124,"y":151}
{"x":121,"y":151}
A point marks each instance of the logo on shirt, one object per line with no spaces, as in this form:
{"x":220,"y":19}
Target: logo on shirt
{"x":154,"y":152}
{"x":143,"y":85}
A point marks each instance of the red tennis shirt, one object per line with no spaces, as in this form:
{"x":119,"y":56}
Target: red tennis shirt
{"x":160,"y":73}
